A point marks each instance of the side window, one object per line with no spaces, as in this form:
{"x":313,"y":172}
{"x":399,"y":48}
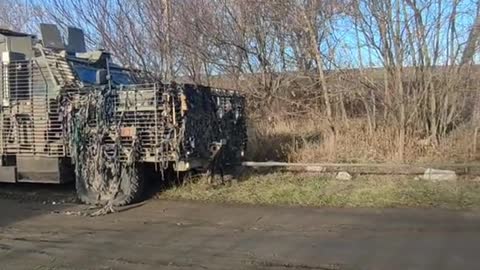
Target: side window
{"x":85,"y":74}
{"x":121,"y":78}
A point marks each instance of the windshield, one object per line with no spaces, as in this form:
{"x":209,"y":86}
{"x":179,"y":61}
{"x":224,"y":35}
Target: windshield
{"x":88,"y":75}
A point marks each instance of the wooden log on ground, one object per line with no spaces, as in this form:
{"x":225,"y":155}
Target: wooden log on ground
{"x":367,"y":168}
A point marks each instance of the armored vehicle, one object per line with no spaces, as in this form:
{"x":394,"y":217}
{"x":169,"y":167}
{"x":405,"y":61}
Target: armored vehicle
{"x":68,"y":114}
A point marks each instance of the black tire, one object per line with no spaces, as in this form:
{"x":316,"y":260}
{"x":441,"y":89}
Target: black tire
{"x":131,"y":188}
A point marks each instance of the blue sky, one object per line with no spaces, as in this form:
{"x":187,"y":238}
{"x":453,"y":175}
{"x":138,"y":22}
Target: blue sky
{"x":347,"y":52}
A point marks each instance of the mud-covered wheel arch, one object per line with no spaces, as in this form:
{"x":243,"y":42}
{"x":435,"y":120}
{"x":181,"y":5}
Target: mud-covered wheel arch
{"x":129,"y":189}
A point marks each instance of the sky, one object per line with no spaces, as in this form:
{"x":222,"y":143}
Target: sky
{"x":350,"y":47}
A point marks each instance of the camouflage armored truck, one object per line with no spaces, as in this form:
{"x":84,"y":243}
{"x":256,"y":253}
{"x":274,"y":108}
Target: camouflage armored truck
{"x":72,"y":115}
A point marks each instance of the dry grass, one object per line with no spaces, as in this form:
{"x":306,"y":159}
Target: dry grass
{"x":278,"y":140}
{"x":305,"y":140}
{"x":310,"y":190}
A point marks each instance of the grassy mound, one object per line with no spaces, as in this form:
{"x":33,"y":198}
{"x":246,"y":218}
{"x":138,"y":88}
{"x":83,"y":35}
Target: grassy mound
{"x":324,"y":191}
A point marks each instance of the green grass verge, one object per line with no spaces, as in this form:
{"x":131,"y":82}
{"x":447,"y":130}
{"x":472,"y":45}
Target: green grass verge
{"x":310,"y":190}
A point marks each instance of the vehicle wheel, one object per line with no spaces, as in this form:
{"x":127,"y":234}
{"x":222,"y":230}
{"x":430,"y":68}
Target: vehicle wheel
{"x":100,"y":192}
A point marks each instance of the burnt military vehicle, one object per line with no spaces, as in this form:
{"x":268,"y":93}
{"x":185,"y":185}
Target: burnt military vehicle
{"x":72,"y":115}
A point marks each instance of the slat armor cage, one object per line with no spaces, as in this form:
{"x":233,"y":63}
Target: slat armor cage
{"x":172,"y":122}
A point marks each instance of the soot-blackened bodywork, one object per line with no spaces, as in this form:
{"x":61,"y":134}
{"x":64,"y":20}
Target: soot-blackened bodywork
{"x":61,"y":105}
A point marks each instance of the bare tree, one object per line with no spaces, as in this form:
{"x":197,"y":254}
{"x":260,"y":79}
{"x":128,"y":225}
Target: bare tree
{"x":401,"y":64}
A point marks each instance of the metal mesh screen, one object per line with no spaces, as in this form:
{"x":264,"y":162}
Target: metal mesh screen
{"x":30,"y":120}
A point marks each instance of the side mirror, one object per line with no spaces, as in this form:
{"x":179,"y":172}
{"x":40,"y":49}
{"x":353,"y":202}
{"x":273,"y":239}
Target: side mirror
{"x":101,"y":77}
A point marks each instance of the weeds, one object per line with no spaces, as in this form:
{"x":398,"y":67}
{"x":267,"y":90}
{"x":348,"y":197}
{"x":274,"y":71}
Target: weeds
{"x":303,"y":140}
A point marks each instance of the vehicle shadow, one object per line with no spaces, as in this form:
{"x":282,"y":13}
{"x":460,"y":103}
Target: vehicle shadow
{"x":22,"y":201}
{"x":157,"y":183}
